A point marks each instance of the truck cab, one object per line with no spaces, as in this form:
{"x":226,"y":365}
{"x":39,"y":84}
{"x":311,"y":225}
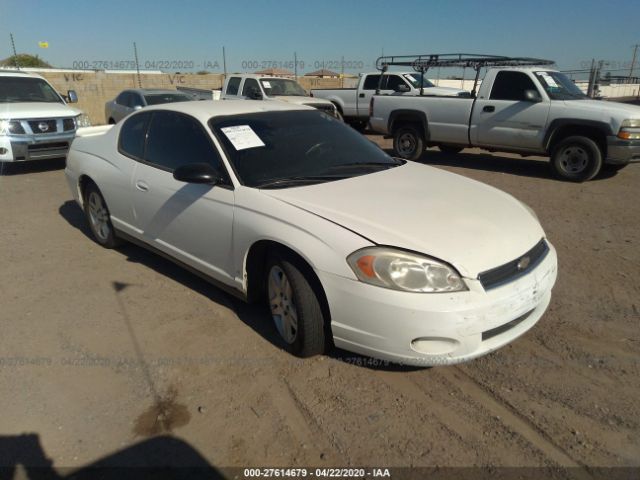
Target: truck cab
{"x":261,"y":87}
{"x":35,"y":121}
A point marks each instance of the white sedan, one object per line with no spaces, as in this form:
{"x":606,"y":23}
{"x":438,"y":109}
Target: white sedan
{"x":285,"y":205}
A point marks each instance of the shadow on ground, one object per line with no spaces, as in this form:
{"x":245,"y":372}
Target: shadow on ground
{"x":524,"y":167}
{"x":36,"y":166}
{"x":163,"y":457}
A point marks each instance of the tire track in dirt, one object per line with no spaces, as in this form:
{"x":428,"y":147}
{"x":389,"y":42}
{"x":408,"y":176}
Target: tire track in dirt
{"x":510,"y":416}
{"x":462,"y":427}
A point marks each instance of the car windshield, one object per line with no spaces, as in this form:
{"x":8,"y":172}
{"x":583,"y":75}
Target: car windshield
{"x":275,"y":87}
{"x":414,"y":79}
{"x":292,"y":148}
{"x":559,"y":87}
{"x":25,"y":89}
{"x":158,"y":98}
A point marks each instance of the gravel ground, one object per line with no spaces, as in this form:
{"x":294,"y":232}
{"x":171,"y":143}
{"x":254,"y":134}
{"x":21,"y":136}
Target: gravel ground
{"x":102,"y":350}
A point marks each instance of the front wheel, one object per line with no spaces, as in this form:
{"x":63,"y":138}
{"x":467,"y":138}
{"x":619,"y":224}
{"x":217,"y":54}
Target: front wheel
{"x":295,"y":307}
{"x":408,"y":143}
{"x":576,"y":159}
{"x":95,"y":208}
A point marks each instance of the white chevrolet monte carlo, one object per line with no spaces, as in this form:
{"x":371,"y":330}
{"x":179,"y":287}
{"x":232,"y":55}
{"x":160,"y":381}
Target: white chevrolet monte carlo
{"x":349,"y":247}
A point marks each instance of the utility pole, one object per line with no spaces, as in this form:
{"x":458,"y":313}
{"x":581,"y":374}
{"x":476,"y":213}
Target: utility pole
{"x":295,"y":65}
{"x":224,"y":62}
{"x":135,"y":54}
{"x":15,"y":54}
{"x":633,"y":62}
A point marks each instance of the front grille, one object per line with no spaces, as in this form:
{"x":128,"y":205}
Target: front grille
{"x":48,"y":146}
{"x":68,"y":124}
{"x":514,"y":269}
{"x":503,"y":328}
{"x":48,"y":126}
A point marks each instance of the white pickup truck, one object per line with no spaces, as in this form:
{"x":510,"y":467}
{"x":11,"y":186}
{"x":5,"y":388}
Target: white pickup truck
{"x":531,"y":111}
{"x":248,"y":86}
{"x":353,"y":103}
{"x":35,"y":121}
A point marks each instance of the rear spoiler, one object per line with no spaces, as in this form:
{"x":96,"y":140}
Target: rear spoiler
{"x":92,"y":131}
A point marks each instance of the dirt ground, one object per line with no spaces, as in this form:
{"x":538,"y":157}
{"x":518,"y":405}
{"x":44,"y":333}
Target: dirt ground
{"x":101,"y":350}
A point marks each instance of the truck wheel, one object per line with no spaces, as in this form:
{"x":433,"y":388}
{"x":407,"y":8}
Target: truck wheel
{"x":576,"y":159}
{"x":295,"y":307}
{"x":408,"y":143}
{"x":449,"y":149}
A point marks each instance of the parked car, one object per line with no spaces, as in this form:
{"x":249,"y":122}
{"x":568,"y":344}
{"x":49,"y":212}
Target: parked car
{"x":286,"y":205}
{"x":353,"y":103}
{"x":259,"y":87}
{"x":131,"y":100}
{"x":35,"y":121}
{"x":532,"y":111}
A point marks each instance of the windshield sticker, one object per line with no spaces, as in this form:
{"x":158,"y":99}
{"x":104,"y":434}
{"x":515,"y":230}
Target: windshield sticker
{"x":549,"y":79}
{"x":242,"y":137}
{"x":266,"y":84}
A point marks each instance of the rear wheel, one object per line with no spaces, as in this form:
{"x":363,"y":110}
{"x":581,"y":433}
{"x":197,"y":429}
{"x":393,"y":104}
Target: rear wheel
{"x":99,"y":219}
{"x":408,"y":143}
{"x":576,"y":159}
{"x":449,"y":149}
{"x":295,"y":307}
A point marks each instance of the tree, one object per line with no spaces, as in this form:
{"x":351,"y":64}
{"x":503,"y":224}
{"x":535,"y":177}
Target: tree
{"x":24,"y":60}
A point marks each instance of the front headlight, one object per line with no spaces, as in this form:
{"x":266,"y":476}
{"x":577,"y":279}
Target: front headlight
{"x":10,"y":126}
{"x":82,"y":120}
{"x":630,"y":129}
{"x":400,"y":270}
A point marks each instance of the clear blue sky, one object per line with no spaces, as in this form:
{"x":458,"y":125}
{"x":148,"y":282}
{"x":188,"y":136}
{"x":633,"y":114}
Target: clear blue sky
{"x":570,"y":32}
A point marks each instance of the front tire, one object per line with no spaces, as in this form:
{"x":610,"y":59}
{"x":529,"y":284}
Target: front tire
{"x":408,"y":143}
{"x":576,"y":159}
{"x":98,"y":217}
{"x":295,"y":306}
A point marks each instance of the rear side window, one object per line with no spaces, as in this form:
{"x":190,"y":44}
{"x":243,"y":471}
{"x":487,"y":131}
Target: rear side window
{"x":371,"y":82}
{"x":511,"y":86}
{"x":176,"y":139}
{"x":250,"y":84}
{"x":233,"y":86}
{"x":132,"y":135}
{"x":123,"y":99}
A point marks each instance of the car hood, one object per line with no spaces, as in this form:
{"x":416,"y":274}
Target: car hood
{"x":606,"y":108}
{"x":297,"y":100}
{"x":37,"y":110}
{"x":468,"y":224}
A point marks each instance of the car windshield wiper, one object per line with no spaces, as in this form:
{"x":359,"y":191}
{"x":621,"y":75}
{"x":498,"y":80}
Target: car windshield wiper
{"x":364,"y":166}
{"x":299,"y":180}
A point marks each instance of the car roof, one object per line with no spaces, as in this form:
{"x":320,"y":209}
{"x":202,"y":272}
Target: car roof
{"x":18,"y":73}
{"x":153,"y":91}
{"x":206,"y":109}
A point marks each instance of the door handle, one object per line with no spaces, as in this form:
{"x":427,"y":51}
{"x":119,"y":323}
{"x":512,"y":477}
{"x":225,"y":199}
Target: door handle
{"x":361,"y":95}
{"x":489,"y":108}
{"x":142,"y":186}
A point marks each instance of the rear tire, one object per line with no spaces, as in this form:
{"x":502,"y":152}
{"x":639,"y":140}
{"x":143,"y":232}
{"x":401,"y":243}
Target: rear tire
{"x":408,"y":143}
{"x":295,"y":306}
{"x":576,"y":159}
{"x":99,"y":218}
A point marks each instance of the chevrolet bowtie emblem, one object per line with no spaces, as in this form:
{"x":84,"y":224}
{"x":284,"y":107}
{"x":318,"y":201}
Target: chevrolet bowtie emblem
{"x":523,"y":263}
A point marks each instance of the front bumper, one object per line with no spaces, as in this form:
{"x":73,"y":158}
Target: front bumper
{"x":17,"y":148}
{"x":436,"y":329}
{"x":621,"y":152}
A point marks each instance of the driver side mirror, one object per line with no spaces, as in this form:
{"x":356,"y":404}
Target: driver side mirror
{"x":197,"y":173}
{"x":137,"y":107}
{"x":532,"y":96}
{"x":402,"y":88}
{"x":255,"y":94}
{"x":72,"y":96}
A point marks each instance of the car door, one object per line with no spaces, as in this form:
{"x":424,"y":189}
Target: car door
{"x":369,"y":87}
{"x":507,"y":118}
{"x":191,"y":222}
{"x":121,"y":106}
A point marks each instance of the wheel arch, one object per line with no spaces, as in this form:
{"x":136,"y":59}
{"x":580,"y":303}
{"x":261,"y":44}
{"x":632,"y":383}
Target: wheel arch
{"x":401,"y":117}
{"x":560,"y":129}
